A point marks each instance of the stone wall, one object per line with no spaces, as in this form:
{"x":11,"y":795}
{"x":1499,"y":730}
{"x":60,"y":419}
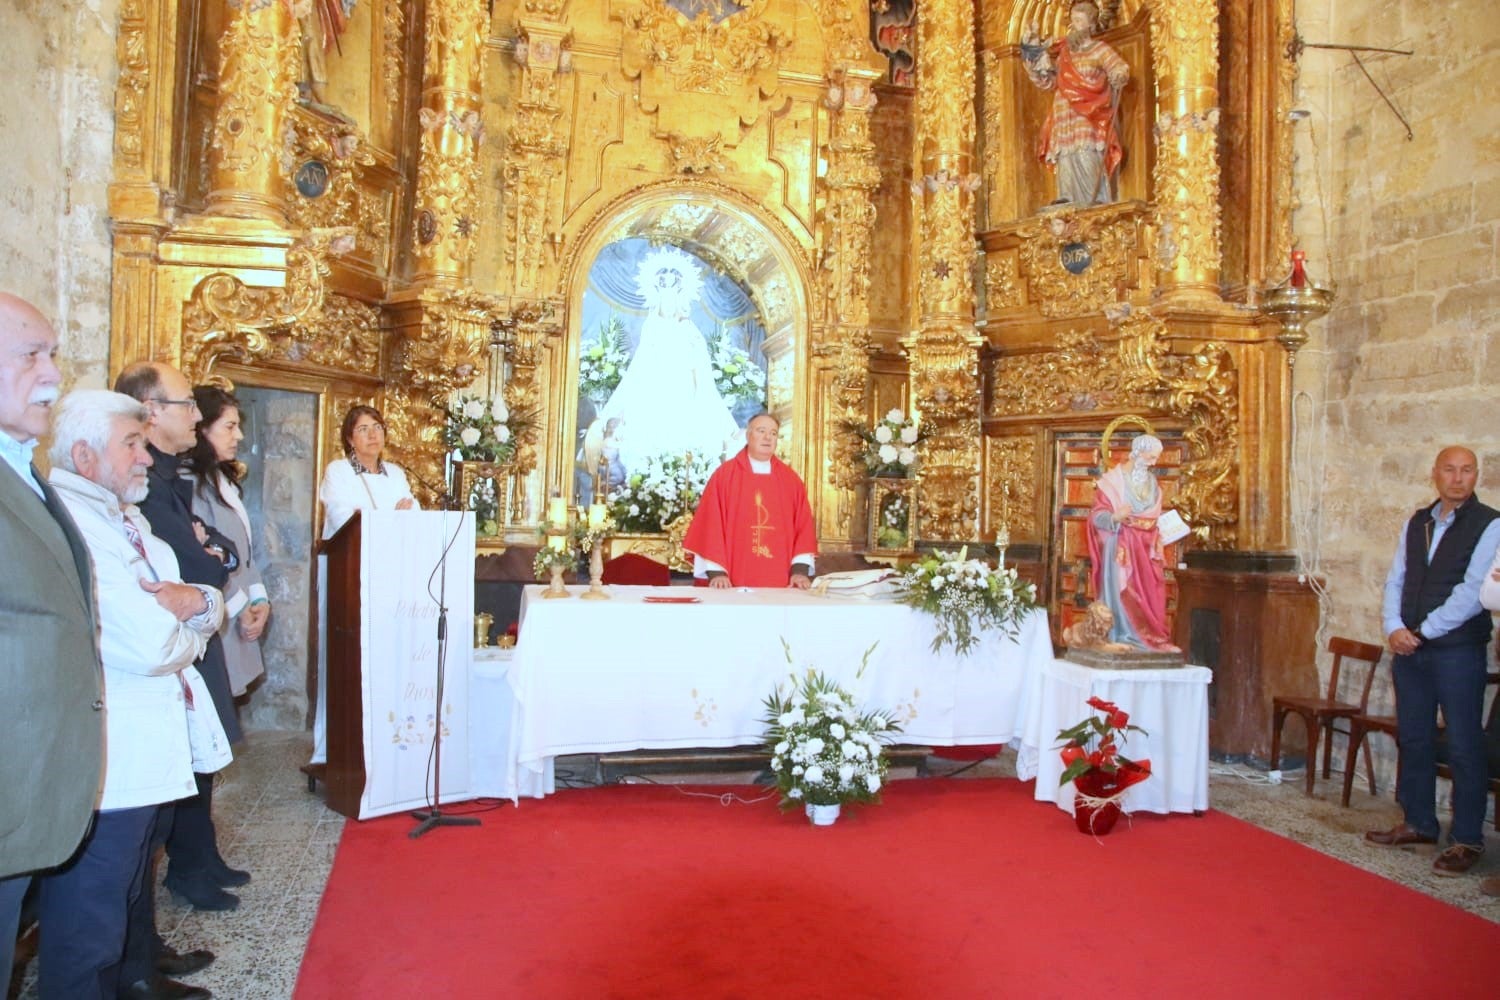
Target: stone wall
{"x":280,"y":428}
{"x":1409,"y":358}
{"x":56,"y":131}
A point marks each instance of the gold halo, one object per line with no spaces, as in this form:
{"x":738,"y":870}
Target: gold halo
{"x":1111,"y":427}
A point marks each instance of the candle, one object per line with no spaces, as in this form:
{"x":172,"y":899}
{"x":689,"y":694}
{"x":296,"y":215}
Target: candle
{"x":556,"y":542}
{"x":596,"y":516}
{"x":557,"y":512}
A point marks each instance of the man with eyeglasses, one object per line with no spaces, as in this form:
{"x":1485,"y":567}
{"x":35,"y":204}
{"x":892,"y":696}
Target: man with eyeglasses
{"x":196,"y":871}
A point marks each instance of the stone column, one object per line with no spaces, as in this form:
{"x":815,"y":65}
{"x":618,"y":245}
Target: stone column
{"x":943,"y":352}
{"x":258,"y":56}
{"x":1185,"y":49}
{"x":445,"y":223}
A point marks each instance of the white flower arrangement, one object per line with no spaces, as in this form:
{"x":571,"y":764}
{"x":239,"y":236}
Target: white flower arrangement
{"x":894,"y":529}
{"x":738,"y":378}
{"x":480,"y":430}
{"x":665,"y":488}
{"x":602,"y":362}
{"x":484,"y":501}
{"x":824,"y":750}
{"x":891,"y":445}
{"x":966,"y":597}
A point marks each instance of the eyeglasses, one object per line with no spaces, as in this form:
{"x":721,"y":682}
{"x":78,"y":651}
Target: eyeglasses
{"x":189,"y":403}
{"x":367,"y":429}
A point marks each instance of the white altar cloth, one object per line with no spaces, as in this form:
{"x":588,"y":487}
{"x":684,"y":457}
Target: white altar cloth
{"x":624,"y":674}
{"x":1171,"y":705}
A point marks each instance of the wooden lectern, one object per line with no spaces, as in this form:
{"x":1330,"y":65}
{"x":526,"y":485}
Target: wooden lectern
{"x":344,"y":776}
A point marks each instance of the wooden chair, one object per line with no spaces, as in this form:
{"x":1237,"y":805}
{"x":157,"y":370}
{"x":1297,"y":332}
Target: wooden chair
{"x":634,"y":569}
{"x":1320,"y":714}
{"x":1360,"y":727}
{"x":1492,"y":748}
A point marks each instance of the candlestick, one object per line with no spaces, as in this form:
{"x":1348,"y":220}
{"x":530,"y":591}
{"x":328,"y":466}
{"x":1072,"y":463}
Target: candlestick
{"x":597,"y":514}
{"x":557,"y":512}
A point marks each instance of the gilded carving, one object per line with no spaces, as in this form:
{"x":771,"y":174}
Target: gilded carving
{"x":225,"y":318}
{"x":1011,"y":485}
{"x":451,"y":131}
{"x":1002,"y":282}
{"x":349,"y":200}
{"x":1185,"y":52}
{"x":392,"y":54}
{"x":1203,"y":388}
{"x":1080,"y":375}
{"x":257,"y":86}
{"x":943,"y":352}
{"x":697,"y":154}
{"x":1108,"y":233}
{"x":130,"y":92}
{"x":1139,"y":373}
{"x":345,"y":334}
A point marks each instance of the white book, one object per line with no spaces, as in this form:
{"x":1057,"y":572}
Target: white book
{"x":1172,"y":526}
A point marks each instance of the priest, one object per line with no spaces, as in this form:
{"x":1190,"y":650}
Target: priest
{"x":754,"y":526}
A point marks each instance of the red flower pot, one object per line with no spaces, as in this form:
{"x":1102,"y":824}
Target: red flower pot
{"x":1091,"y":819}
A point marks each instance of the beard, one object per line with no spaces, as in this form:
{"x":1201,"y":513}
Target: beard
{"x":135,"y":493}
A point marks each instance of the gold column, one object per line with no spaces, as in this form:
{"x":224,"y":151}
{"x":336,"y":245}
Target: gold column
{"x":258,"y":56}
{"x":943,"y":351}
{"x":446,"y":221}
{"x":852,"y":177}
{"x":1185,"y":48}
{"x":535,"y":154}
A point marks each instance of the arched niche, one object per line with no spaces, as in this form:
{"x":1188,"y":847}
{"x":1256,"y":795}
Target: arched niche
{"x":721,"y":227}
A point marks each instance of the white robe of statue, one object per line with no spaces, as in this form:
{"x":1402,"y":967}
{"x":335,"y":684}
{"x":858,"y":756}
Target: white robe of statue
{"x":667,"y":399}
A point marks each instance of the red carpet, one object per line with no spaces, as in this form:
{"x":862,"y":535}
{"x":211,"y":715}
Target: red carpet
{"x":957,"y":889}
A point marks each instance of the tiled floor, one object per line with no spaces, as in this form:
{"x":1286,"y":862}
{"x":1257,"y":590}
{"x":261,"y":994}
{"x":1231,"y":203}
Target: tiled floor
{"x":270,"y":824}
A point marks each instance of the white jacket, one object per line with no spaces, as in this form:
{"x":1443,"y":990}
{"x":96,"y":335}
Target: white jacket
{"x":147,"y":754}
{"x":1489,"y":591}
{"x":345,"y":491}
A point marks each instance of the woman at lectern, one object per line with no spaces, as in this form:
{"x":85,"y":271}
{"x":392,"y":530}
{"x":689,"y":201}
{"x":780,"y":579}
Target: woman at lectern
{"x":361,"y":480}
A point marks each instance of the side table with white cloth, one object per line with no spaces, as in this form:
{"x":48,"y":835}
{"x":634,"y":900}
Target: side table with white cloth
{"x":666,"y":668}
{"x":1171,"y":705}
{"x":492,"y":751}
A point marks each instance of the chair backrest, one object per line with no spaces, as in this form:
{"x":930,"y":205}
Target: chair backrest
{"x":634,"y":569}
{"x":1353,"y":649}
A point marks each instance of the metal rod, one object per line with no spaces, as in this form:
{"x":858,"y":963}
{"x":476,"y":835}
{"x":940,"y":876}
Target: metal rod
{"x":1354,"y":48}
{"x":1360,"y":63}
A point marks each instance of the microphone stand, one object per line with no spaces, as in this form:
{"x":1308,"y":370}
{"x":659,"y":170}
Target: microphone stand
{"x":433,"y":817}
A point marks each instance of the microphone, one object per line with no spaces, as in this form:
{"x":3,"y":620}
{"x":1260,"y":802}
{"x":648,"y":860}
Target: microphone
{"x":446,"y":499}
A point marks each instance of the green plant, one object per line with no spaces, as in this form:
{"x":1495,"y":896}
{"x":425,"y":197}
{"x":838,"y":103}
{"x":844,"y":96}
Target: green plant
{"x":966,"y":597}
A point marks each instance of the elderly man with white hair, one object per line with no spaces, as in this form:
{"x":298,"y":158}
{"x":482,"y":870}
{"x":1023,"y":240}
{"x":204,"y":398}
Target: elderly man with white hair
{"x":157,"y":711}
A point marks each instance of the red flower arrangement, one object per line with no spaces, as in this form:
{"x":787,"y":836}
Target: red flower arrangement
{"x":1094,"y":745}
{"x":1100,"y":773}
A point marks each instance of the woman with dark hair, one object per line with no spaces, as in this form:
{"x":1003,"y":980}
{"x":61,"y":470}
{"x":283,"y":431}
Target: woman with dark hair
{"x":361,"y":480}
{"x":218,"y":500}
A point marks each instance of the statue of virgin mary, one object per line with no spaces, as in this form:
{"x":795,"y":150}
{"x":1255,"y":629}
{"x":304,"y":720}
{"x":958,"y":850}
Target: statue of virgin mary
{"x":667,"y":401}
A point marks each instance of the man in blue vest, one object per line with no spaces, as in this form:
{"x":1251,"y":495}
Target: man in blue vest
{"x":1438,"y":630}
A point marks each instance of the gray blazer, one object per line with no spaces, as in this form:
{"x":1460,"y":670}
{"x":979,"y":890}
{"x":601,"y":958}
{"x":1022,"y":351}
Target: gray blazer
{"x":50,"y":681}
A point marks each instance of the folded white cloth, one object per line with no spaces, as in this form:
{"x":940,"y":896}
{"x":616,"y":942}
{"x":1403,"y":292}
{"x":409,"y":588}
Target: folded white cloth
{"x":871,"y":584}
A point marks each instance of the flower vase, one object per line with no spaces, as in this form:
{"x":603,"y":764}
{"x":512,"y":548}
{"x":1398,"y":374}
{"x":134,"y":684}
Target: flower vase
{"x":822,"y":815}
{"x":1096,"y":817}
{"x":892,"y":515}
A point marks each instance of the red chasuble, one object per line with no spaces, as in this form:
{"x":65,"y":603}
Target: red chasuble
{"x":752,"y":524}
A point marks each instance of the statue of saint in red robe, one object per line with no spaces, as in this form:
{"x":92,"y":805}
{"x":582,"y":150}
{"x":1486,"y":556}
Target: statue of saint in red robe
{"x":1129,"y":573}
{"x":754,"y":526}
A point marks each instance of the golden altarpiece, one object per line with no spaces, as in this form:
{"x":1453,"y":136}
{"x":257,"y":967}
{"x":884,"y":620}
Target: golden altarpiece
{"x":385,"y":221}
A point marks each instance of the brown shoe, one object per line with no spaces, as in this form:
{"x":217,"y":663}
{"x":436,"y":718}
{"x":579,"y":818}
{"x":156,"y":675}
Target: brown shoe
{"x":1456,"y":859}
{"x":1399,"y":835}
{"x":1490,"y":886}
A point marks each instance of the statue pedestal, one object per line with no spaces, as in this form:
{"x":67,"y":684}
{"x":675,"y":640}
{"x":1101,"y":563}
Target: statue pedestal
{"x":1246,"y":617}
{"x":1142,"y":659}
